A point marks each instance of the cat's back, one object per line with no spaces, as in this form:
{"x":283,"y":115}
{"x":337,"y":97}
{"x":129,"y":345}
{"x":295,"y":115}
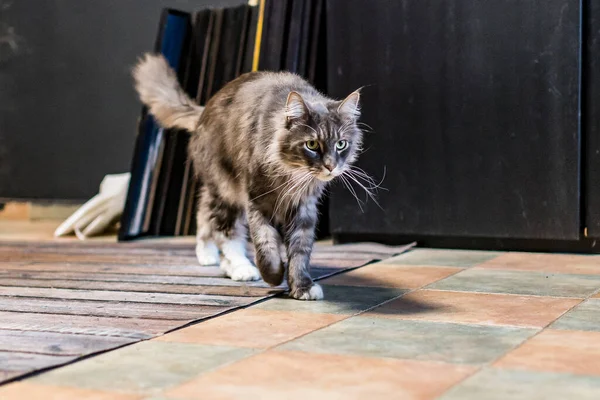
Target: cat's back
{"x":255,"y":89}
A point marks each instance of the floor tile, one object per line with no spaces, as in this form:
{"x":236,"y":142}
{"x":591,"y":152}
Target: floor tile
{"x":574,"y":352}
{"x":338,"y":300}
{"x":584,"y":317}
{"x":495,"y":384}
{"x":476,"y":308}
{"x":32,"y":391}
{"x":143,"y":367}
{"x":319,"y":376}
{"x":517,"y":282}
{"x":418,"y":340}
{"x":392,"y":276}
{"x":252,"y":328}
{"x":442,"y":257}
{"x":542,"y":262}
{"x":160,"y":398}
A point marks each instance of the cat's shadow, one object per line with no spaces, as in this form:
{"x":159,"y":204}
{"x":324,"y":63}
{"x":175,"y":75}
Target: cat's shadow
{"x":361,"y":293}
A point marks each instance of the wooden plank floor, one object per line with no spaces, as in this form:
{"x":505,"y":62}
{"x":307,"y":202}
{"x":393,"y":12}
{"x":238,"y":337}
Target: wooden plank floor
{"x":61,"y":300}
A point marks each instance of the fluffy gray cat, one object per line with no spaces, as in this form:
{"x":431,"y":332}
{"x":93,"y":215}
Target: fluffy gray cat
{"x":264,"y":147}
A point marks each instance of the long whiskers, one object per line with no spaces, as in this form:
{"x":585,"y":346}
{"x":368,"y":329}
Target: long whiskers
{"x":364,"y":181}
{"x":352,"y":191}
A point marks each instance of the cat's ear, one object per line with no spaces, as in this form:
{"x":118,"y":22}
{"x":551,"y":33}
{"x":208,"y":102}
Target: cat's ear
{"x":295,"y":108}
{"x":350,"y":106}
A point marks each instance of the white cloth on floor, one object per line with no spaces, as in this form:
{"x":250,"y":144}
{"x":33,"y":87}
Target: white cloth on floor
{"x":101,"y":211}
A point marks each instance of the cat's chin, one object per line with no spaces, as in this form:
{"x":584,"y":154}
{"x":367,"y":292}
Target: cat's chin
{"x":325,"y":178}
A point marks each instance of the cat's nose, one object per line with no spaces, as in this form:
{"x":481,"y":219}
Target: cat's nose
{"x":329,"y":167}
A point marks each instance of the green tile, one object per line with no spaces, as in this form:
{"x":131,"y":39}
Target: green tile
{"x":497,"y":384}
{"x":416,"y":340}
{"x":446,"y":258}
{"x":338,"y":300}
{"x":520,"y":282}
{"x":144,"y":367}
{"x":584,"y":317}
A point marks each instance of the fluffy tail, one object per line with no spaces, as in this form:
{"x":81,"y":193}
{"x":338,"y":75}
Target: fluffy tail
{"x":158,"y":88}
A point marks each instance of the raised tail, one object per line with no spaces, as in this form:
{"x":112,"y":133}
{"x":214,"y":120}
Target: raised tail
{"x":158,"y":88}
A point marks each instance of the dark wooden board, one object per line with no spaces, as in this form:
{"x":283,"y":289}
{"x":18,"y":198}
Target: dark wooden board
{"x":474,"y":107}
{"x":591,"y":117}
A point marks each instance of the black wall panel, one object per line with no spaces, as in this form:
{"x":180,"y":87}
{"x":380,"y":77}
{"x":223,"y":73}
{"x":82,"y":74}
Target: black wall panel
{"x":591,"y":116}
{"x":474,"y":107}
{"x":68,"y":111}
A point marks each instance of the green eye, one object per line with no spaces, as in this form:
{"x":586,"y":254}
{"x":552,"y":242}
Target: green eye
{"x":312,"y":145}
{"x":341,"y":145}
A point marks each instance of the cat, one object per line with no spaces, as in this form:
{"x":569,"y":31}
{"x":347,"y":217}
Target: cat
{"x":264,"y":147}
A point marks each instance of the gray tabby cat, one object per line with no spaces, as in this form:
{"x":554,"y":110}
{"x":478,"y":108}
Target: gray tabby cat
{"x":265,"y":146}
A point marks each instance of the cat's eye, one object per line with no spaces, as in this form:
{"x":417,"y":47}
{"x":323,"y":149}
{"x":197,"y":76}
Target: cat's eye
{"x":312,"y":145}
{"x":341,"y":145}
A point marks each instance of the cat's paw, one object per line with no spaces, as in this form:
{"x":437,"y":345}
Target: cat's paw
{"x":240,"y":270}
{"x":207,"y":254}
{"x":314,"y":292}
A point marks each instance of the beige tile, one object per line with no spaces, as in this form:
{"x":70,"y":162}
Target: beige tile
{"x":52,"y":211}
{"x":252,"y":328}
{"x":15,"y":211}
{"x":549,"y":284}
{"x":296,"y":375}
{"x":144,"y":368}
{"x":476,"y":308}
{"x":32,"y":391}
{"x":413,"y":340}
{"x":541,"y":262}
{"x":574,"y":352}
{"x":443,"y":257}
{"x":392,"y":276}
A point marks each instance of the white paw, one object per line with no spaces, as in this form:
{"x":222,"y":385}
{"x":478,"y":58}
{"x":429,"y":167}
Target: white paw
{"x":314,"y":293}
{"x":207,"y":254}
{"x":240,"y":270}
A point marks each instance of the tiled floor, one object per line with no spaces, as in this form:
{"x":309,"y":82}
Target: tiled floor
{"x":459,"y":325}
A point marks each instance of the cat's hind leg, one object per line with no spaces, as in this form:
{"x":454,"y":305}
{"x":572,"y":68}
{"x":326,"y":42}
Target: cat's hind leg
{"x":229,"y":233}
{"x":207,"y":251}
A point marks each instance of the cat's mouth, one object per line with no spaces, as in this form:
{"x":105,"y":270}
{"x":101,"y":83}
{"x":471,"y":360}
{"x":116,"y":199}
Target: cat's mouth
{"x":326,"y":176}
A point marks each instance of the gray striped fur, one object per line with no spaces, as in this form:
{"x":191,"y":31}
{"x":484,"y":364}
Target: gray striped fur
{"x":250,"y":150}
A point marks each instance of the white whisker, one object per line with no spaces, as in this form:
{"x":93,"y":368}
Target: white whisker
{"x":352,"y":191}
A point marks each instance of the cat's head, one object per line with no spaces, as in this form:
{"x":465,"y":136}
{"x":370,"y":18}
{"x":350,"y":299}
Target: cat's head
{"x":321,"y":139}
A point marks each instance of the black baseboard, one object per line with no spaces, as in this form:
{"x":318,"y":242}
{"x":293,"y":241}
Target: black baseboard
{"x":590,"y":246}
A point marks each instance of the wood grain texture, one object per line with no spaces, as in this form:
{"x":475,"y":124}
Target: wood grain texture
{"x":52,"y":343}
{"x":102,"y":326}
{"x":474,"y":108}
{"x":591,"y":117}
{"x":63,"y":300}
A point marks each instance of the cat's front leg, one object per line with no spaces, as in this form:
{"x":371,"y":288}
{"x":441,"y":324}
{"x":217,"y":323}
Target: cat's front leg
{"x":299,"y":240}
{"x":266,"y":242}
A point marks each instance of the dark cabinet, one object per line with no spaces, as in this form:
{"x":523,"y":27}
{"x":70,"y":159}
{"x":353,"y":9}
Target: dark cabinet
{"x":475,"y":108}
{"x":591,"y":117}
